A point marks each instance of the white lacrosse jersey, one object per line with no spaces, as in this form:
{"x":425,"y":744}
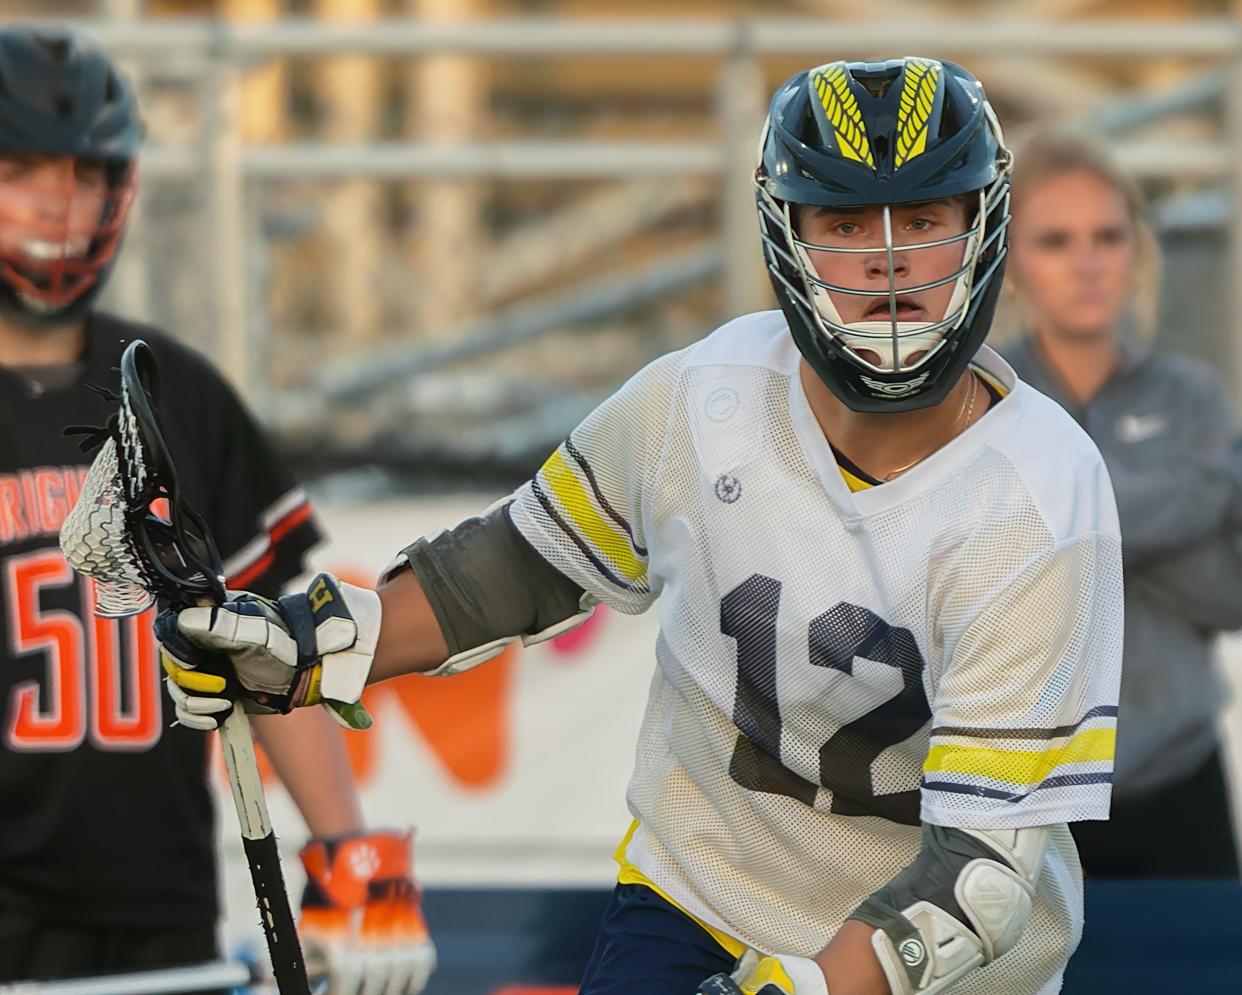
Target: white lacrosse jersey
{"x":835,"y":666}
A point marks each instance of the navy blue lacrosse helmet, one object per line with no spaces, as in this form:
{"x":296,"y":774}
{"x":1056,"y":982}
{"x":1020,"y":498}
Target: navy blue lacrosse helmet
{"x":884,"y":138}
{"x":61,"y":98}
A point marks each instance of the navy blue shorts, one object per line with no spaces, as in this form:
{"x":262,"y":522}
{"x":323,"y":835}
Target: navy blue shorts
{"x":647,"y":945}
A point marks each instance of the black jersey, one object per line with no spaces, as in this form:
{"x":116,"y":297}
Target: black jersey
{"x":105,"y":811}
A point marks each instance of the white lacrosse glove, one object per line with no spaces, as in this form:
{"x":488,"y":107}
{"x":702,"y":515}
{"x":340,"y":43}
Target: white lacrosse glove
{"x":756,"y":974}
{"x":303,"y":649}
{"x":362,"y":920}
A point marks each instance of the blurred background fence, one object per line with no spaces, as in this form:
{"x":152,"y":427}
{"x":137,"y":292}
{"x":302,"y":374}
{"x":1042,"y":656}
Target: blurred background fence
{"x":428,"y":235}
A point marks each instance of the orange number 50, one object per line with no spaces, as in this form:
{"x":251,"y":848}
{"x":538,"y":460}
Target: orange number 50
{"x":89,"y":665}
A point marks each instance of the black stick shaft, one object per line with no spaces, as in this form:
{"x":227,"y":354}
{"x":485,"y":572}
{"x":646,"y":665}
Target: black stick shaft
{"x":260,"y":843}
{"x":278,"y":926}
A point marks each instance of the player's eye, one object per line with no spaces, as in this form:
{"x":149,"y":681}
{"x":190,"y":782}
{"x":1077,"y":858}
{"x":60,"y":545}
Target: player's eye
{"x":1111,"y":236}
{"x":845,"y":228}
{"x":13,"y":169}
{"x":1052,"y":241}
{"x":921,"y":224}
{"x":90,"y":172}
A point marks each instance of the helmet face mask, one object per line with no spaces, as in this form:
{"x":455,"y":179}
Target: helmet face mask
{"x":903,"y":320}
{"x":61,"y":221}
{"x":885,"y":250}
{"x":69,"y":140}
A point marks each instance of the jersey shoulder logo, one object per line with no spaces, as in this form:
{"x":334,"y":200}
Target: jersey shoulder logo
{"x":721,"y":404}
{"x":728,"y":488}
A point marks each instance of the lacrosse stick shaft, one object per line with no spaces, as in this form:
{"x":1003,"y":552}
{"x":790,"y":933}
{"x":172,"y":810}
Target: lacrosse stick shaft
{"x":259,"y":841}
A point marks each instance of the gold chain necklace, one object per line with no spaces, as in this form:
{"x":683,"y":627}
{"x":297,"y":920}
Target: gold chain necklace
{"x":967,"y":410}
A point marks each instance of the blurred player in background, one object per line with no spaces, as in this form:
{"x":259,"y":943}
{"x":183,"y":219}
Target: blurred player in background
{"x":888,"y":576}
{"x":1086,"y":269}
{"x":107,"y":851}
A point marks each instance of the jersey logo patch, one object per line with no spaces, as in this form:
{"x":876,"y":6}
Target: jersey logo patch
{"x":721,"y":404}
{"x":728,"y":488}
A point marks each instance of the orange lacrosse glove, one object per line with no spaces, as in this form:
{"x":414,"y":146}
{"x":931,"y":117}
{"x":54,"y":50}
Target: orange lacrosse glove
{"x":362,"y":919}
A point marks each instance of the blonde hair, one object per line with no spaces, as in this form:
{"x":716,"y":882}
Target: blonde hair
{"x":1052,"y":154}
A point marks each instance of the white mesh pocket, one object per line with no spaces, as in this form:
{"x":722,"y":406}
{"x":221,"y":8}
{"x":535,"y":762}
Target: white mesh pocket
{"x":96,"y":542}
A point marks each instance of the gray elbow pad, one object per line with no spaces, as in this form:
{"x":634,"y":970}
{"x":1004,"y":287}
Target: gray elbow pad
{"x":487,"y":586}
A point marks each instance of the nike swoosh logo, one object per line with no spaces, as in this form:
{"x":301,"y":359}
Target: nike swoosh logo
{"x":1137,"y":428}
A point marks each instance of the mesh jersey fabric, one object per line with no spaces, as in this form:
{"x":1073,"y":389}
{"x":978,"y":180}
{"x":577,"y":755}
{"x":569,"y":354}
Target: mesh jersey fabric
{"x":833,"y":667}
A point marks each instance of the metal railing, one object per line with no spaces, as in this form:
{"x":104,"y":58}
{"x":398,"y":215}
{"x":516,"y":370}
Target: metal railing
{"x":217,"y":54}
{"x":208,"y":977}
{"x":550,"y":37}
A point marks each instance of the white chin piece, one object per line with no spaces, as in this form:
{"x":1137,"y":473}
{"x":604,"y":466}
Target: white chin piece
{"x":877,"y":337}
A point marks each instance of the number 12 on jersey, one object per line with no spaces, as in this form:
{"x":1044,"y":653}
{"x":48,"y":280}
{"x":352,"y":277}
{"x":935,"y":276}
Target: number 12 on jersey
{"x":748,"y":614}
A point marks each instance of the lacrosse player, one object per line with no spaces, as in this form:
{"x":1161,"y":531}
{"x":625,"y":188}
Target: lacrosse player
{"x":107,"y":856}
{"x":888,"y":576}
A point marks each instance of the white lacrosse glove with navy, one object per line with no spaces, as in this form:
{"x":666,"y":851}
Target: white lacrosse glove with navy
{"x":758,"y":974}
{"x":309,"y":648}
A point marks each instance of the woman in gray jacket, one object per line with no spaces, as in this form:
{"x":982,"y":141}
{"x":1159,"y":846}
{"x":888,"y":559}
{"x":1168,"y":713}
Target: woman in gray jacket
{"x":1082,"y":261}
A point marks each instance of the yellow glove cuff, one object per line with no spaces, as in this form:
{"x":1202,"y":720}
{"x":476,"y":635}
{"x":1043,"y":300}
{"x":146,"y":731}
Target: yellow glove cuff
{"x":191,"y":680}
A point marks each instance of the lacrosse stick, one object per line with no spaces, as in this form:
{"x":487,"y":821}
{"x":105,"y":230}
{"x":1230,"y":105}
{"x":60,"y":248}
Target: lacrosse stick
{"x":138,"y":559}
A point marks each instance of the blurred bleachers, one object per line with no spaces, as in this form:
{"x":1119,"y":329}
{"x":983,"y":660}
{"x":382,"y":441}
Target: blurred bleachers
{"x":436,"y":256}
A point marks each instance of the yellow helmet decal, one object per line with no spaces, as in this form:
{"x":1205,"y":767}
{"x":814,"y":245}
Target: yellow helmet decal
{"x":918,"y":93}
{"x":832,"y":85}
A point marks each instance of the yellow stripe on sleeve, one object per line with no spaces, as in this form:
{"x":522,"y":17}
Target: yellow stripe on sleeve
{"x":573,"y":498}
{"x":1021,"y":766}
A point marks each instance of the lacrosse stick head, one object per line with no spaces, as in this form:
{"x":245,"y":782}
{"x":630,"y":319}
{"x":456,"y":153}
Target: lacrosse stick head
{"x":113,"y":534}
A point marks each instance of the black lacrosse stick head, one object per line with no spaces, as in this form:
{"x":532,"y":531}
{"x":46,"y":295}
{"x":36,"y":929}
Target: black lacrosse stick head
{"x":179,"y":557}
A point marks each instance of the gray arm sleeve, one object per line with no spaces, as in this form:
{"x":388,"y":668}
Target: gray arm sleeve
{"x":484,"y":581}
